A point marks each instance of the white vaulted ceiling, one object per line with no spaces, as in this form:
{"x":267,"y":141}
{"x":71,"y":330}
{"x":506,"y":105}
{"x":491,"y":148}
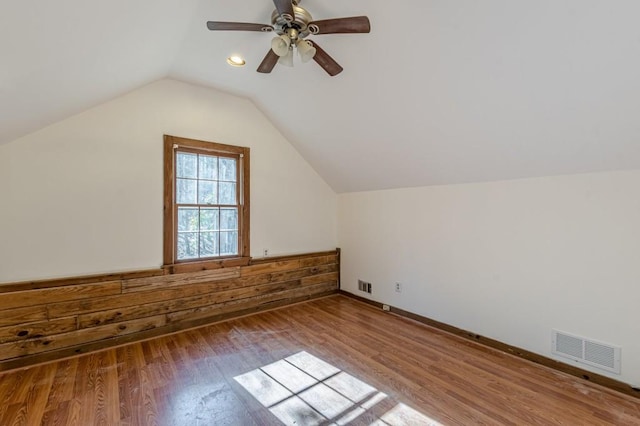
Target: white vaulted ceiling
{"x":440,"y":91}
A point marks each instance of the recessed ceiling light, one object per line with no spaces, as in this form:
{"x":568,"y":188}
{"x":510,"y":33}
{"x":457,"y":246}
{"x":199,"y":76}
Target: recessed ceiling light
{"x":236,"y":61}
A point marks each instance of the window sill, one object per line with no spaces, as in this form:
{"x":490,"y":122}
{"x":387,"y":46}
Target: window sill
{"x":204,"y":265}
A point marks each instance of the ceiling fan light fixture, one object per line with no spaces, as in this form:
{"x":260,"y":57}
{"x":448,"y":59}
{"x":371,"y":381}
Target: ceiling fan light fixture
{"x":291,"y":24}
{"x":236,"y":61}
{"x":280,"y":45}
{"x":305,"y":50}
{"x":287,"y":60}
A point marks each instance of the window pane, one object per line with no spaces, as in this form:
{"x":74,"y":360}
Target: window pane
{"x":209,"y":219}
{"x":227,"y":193}
{"x":187,"y":219}
{"x":229,"y":219}
{"x":208,"y":244}
{"x":228,"y":243}
{"x":227,"y":169}
{"x":187,"y":245}
{"x":207,"y":192}
{"x":208,"y":167}
{"x":186,"y":191}
{"x":186,"y":167}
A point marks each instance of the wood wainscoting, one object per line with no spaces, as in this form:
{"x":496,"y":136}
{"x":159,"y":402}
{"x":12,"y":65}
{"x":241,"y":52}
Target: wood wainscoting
{"x":47,"y":320}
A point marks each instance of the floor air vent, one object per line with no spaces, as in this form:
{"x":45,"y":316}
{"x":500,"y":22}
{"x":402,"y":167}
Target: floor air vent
{"x":585,"y":351}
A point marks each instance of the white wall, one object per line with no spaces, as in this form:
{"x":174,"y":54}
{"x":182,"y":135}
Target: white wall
{"x":510,"y":260}
{"x":84,"y":196}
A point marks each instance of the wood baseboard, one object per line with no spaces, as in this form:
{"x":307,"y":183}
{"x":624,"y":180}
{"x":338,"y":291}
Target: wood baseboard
{"x":601,"y":380}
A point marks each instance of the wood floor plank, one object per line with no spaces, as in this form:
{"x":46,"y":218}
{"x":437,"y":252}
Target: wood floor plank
{"x":34,"y":404}
{"x":106,"y":389}
{"x":188,"y":378}
{"x":74,"y":413}
{"x":61,"y":391}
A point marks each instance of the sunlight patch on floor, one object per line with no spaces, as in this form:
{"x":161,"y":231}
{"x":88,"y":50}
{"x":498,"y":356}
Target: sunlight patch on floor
{"x":305,"y":390}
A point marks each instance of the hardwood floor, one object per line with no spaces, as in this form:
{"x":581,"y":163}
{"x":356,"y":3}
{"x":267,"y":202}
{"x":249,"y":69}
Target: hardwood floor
{"x":332,"y":359}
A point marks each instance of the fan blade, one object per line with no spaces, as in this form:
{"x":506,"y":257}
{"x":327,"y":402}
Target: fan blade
{"x":285,"y":7}
{"x":268,"y":62}
{"x":237,"y":26}
{"x":325,"y":61}
{"x":354,"y":24}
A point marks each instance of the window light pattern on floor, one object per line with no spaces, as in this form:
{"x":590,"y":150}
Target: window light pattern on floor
{"x":305,"y":390}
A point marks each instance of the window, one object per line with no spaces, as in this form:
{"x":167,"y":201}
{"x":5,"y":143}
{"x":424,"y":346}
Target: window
{"x":206,"y":195}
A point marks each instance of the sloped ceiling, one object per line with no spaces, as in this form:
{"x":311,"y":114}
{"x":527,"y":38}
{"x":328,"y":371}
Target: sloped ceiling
{"x":439,"y":92}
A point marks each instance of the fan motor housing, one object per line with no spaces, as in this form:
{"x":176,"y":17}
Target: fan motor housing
{"x":300,"y":22}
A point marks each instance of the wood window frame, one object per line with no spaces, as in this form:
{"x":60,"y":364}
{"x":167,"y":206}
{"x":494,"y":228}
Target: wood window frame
{"x":170,"y":209}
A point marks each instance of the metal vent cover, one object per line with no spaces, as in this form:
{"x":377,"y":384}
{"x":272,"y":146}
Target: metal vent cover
{"x":364,"y":286}
{"x":586,"y":351}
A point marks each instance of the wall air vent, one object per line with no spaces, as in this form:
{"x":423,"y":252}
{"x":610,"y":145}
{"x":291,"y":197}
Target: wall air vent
{"x":586,"y":351}
{"x":364,"y":286}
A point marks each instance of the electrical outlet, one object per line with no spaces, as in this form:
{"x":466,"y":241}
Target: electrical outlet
{"x":398,"y":287}
{"x":265,"y":252}
{"x":386,"y":308}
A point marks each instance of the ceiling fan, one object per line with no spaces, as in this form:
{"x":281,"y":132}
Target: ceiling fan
{"x":292,"y":24}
